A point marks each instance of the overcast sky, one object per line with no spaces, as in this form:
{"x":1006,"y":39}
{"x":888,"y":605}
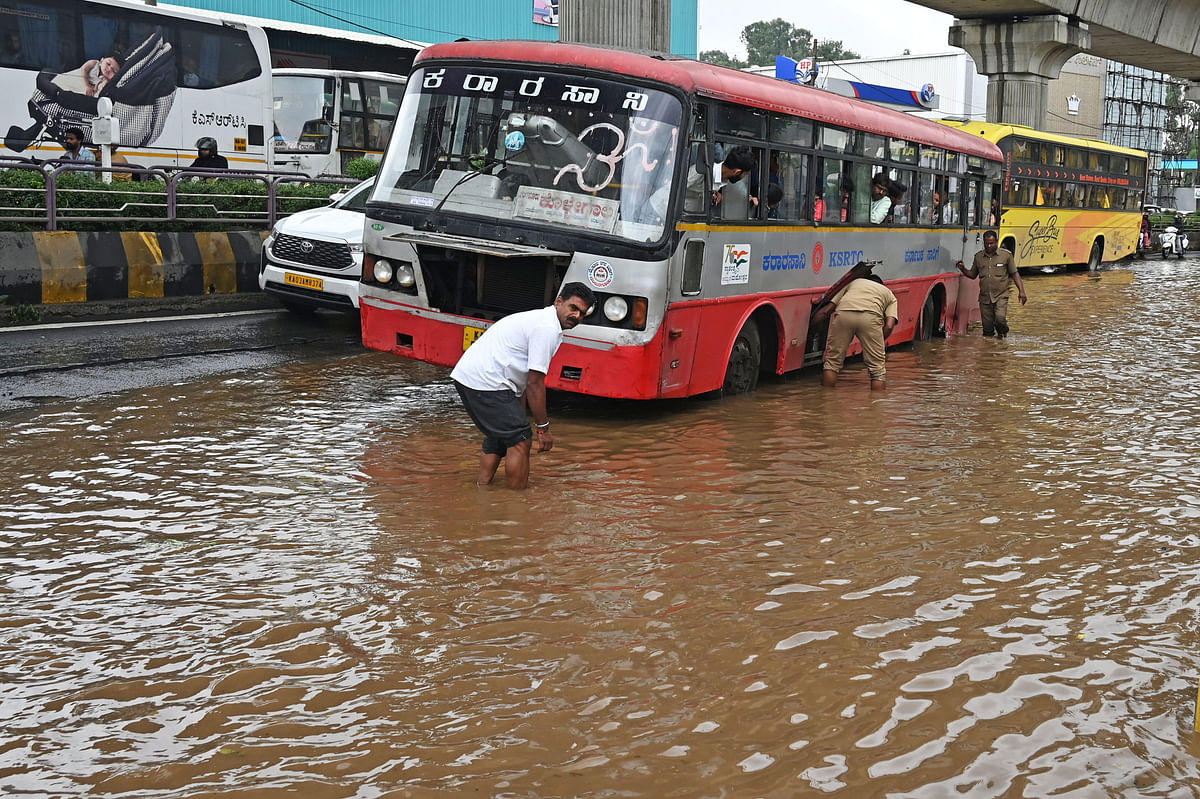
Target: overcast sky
{"x":871,"y":28}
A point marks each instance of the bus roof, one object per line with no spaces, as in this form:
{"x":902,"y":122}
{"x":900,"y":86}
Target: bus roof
{"x":994,"y":131}
{"x":722,"y":83}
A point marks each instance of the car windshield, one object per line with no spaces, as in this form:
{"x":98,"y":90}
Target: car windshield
{"x":356,"y":198}
{"x":539,"y":147}
{"x":303,"y":108}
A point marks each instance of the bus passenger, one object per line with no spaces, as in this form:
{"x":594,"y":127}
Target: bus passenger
{"x":12,"y":54}
{"x":939,"y":205}
{"x":995,"y":268}
{"x":504,"y":372}
{"x":881,"y":203}
{"x":896,"y":198}
{"x":738,"y":163}
{"x":819,"y":205}
{"x":774,"y":197}
{"x":867,"y":310}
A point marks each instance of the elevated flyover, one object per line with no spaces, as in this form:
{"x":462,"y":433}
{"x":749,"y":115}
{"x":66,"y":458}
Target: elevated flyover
{"x":1022,"y":44}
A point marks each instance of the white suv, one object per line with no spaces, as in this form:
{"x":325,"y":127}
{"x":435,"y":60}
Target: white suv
{"x":313,"y":259}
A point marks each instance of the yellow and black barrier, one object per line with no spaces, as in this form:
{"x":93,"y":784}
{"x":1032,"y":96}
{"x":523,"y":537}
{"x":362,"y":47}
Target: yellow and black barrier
{"x":63,"y":267}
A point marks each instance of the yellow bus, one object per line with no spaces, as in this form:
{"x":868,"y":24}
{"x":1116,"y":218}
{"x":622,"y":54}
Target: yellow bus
{"x":1065,"y":200}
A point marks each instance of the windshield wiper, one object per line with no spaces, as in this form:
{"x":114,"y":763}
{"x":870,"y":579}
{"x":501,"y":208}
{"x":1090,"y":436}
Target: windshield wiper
{"x":482,"y":169}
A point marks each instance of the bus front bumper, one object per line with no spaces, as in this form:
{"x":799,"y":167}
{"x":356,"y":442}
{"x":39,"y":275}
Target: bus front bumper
{"x":582,"y":365}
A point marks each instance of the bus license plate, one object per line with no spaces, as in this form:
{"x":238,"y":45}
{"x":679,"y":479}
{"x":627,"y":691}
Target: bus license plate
{"x":470,"y":334}
{"x":305,"y":281}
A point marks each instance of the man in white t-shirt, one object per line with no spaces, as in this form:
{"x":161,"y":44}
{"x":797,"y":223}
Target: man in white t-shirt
{"x":881,"y":203}
{"x":505,"y":370}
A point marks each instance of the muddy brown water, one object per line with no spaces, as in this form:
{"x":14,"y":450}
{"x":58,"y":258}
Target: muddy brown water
{"x":981,"y":583}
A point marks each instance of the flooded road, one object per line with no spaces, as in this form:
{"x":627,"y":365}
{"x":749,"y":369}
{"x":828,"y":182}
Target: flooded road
{"x":981,"y":583}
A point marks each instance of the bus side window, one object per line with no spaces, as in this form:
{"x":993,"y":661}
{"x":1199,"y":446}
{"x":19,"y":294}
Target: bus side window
{"x":216,"y":57}
{"x":832,"y":193}
{"x":953,"y":214}
{"x":973,"y":197}
{"x":924,"y":198}
{"x":860,"y":190}
{"x":735,"y":202}
{"x":789,"y":176}
{"x":902,"y":200}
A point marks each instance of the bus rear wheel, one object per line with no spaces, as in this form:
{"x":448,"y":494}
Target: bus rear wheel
{"x":927,"y":325}
{"x":745,"y":359}
{"x":1094,"y":258}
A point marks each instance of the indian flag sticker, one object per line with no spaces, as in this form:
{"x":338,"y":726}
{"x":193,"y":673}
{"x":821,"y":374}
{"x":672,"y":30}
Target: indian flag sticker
{"x":735,"y":264}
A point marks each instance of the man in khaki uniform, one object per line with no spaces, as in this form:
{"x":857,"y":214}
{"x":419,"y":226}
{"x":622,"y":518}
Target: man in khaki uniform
{"x":996,"y":271}
{"x":865,"y":309}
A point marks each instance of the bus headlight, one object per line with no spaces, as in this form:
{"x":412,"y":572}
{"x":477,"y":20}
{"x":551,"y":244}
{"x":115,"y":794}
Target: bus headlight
{"x":382,"y":271}
{"x":616,"y":309}
{"x":405,"y":276}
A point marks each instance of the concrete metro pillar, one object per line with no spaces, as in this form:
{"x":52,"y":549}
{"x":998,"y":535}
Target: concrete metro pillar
{"x":1020,"y":56}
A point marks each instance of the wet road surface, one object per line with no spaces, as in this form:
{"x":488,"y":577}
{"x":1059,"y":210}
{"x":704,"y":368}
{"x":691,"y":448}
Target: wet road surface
{"x":282,"y":581}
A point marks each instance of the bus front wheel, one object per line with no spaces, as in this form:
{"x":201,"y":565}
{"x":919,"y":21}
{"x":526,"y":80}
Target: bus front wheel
{"x":1094,"y":258}
{"x":741,"y":373}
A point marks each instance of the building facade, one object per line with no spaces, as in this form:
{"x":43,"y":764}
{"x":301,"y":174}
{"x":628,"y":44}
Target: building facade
{"x":1092,"y":98}
{"x":427,"y":22}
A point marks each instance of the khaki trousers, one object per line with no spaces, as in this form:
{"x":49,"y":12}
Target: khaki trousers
{"x":868,"y":328}
{"x":994,"y":316}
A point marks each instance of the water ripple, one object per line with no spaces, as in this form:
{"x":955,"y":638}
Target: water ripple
{"x":286,"y":583}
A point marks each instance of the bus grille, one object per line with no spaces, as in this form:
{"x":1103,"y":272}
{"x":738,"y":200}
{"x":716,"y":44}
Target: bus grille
{"x":312,"y":252}
{"x":487,"y":287}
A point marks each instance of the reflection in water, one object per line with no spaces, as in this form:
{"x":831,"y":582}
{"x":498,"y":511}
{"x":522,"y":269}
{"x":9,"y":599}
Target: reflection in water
{"x":976,"y":583}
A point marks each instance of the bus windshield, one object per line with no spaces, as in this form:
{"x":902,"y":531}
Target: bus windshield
{"x":559,"y":150}
{"x":303,"y":113}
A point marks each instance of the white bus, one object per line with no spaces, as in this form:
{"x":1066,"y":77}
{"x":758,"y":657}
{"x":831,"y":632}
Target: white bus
{"x":325,"y":118}
{"x":173,"y":77}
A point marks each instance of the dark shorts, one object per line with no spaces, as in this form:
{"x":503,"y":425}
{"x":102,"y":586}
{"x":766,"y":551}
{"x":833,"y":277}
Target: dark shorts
{"x":499,"y":415}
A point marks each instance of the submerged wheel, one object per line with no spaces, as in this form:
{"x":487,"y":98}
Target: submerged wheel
{"x":1094,"y":258}
{"x":927,"y":324}
{"x":741,"y":373}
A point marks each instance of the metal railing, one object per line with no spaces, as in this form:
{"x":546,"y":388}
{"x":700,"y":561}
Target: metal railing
{"x":153,"y":196}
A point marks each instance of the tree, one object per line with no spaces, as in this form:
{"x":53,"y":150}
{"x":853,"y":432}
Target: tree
{"x":722,"y":59}
{"x":765,"y":40}
{"x":1181,"y":122}
{"x":833,"y":51}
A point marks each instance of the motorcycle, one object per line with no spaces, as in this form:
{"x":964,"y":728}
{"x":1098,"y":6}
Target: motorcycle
{"x":1173,"y":241}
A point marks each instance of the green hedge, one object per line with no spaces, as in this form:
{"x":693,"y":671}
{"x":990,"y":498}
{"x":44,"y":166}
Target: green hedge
{"x":202,"y":204}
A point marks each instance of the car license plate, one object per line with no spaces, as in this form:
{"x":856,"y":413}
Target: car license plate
{"x":470,"y":334}
{"x":304,"y":281}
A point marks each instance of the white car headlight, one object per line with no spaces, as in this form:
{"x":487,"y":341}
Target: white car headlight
{"x":616,"y":309}
{"x":383,"y":271}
